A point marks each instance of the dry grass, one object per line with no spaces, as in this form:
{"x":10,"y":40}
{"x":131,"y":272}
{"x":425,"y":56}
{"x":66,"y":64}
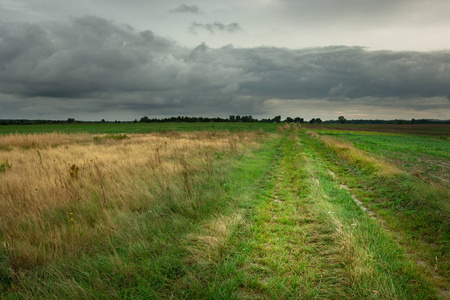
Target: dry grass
{"x":64,"y":193}
{"x":38,"y":141}
{"x":357,"y":157}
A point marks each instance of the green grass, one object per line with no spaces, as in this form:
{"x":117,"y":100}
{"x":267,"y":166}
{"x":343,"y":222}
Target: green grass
{"x":116,"y":128}
{"x":384,"y":143}
{"x":415,"y":211}
{"x":437,"y":130}
{"x":426,"y":157}
{"x":302,"y":237}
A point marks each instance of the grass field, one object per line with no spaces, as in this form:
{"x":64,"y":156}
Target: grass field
{"x":424,"y":156}
{"x":224,"y":211}
{"x":117,"y":128}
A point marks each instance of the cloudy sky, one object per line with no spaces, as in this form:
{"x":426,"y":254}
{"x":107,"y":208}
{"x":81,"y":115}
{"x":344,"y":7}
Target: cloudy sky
{"x":121,"y":60}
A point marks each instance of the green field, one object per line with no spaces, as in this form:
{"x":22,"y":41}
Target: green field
{"x":224,"y":211}
{"x":133,"y":127}
{"x":428,"y":156}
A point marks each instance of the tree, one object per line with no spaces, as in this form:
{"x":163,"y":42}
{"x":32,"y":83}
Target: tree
{"x":277,"y":119}
{"x":298,"y":120}
{"x":145,"y":120}
{"x":342,"y":120}
{"x":247,"y":119}
{"x":70,"y":120}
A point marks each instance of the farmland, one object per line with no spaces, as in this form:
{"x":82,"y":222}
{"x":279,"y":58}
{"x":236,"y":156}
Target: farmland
{"x":229,"y":211}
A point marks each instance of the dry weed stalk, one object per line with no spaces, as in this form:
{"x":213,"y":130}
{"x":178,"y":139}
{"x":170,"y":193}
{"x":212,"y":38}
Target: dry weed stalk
{"x":72,"y":175}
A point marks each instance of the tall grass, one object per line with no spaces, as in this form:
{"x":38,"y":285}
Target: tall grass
{"x":67,"y":198}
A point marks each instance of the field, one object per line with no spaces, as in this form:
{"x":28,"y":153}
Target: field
{"x":224,"y":211}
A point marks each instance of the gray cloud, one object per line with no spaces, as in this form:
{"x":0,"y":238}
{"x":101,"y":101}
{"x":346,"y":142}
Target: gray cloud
{"x":96,"y":66}
{"x":194,"y":9}
{"x":215,"y":27}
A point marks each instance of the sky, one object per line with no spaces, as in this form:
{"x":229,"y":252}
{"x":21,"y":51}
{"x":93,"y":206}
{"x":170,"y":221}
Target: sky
{"x":122,"y":60}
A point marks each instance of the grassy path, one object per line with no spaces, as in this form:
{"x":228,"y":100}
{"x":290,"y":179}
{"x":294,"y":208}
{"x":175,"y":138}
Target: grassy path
{"x":414,"y":211}
{"x":308,"y":239}
{"x":295,"y":251}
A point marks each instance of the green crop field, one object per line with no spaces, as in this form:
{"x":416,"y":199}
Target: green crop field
{"x":224,"y":211}
{"x":132,"y":127}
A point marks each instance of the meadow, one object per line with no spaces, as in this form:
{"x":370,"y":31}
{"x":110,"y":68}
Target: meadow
{"x":224,"y":211}
{"x":118,"y":128}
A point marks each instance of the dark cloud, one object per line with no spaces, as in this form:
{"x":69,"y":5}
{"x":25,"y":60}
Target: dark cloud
{"x":92,"y":65}
{"x":193,"y":9}
{"x":215,"y":27}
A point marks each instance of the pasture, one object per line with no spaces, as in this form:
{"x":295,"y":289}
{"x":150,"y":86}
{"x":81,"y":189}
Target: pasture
{"x":224,"y":211}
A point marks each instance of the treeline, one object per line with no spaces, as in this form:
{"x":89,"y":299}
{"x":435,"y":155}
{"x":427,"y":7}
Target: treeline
{"x":231,"y":118}
{"x":396,"y":121}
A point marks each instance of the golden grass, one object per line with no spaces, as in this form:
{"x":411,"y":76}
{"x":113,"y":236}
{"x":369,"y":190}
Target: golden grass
{"x":53,"y":139}
{"x":64,"y":192}
{"x":356,"y":156}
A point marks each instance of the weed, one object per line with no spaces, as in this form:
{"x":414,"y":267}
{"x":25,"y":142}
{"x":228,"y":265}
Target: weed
{"x":116,"y":136}
{"x":73,"y":171}
{"x":185,"y":173}
{"x":209,"y":165}
{"x":5,"y":165}
{"x":40,"y":156}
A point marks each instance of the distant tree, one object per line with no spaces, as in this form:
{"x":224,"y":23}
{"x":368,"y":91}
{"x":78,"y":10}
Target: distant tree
{"x":238,"y":118}
{"x":277,"y":119}
{"x":298,"y":120}
{"x":70,"y":121}
{"x":342,"y":120}
{"x":289,"y":120}
{"x":413,"y":121}
{"x":232,"y":118}
{"x":102,"y":121}
{"x":145,"y":120}
{"x":313,"y":120}
{"x":247,"y":119}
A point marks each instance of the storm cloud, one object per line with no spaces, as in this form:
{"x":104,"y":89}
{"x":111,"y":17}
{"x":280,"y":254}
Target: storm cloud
{"x":193,"y":9}
{"x":215,"y":27}
{"x":93,"y":65}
